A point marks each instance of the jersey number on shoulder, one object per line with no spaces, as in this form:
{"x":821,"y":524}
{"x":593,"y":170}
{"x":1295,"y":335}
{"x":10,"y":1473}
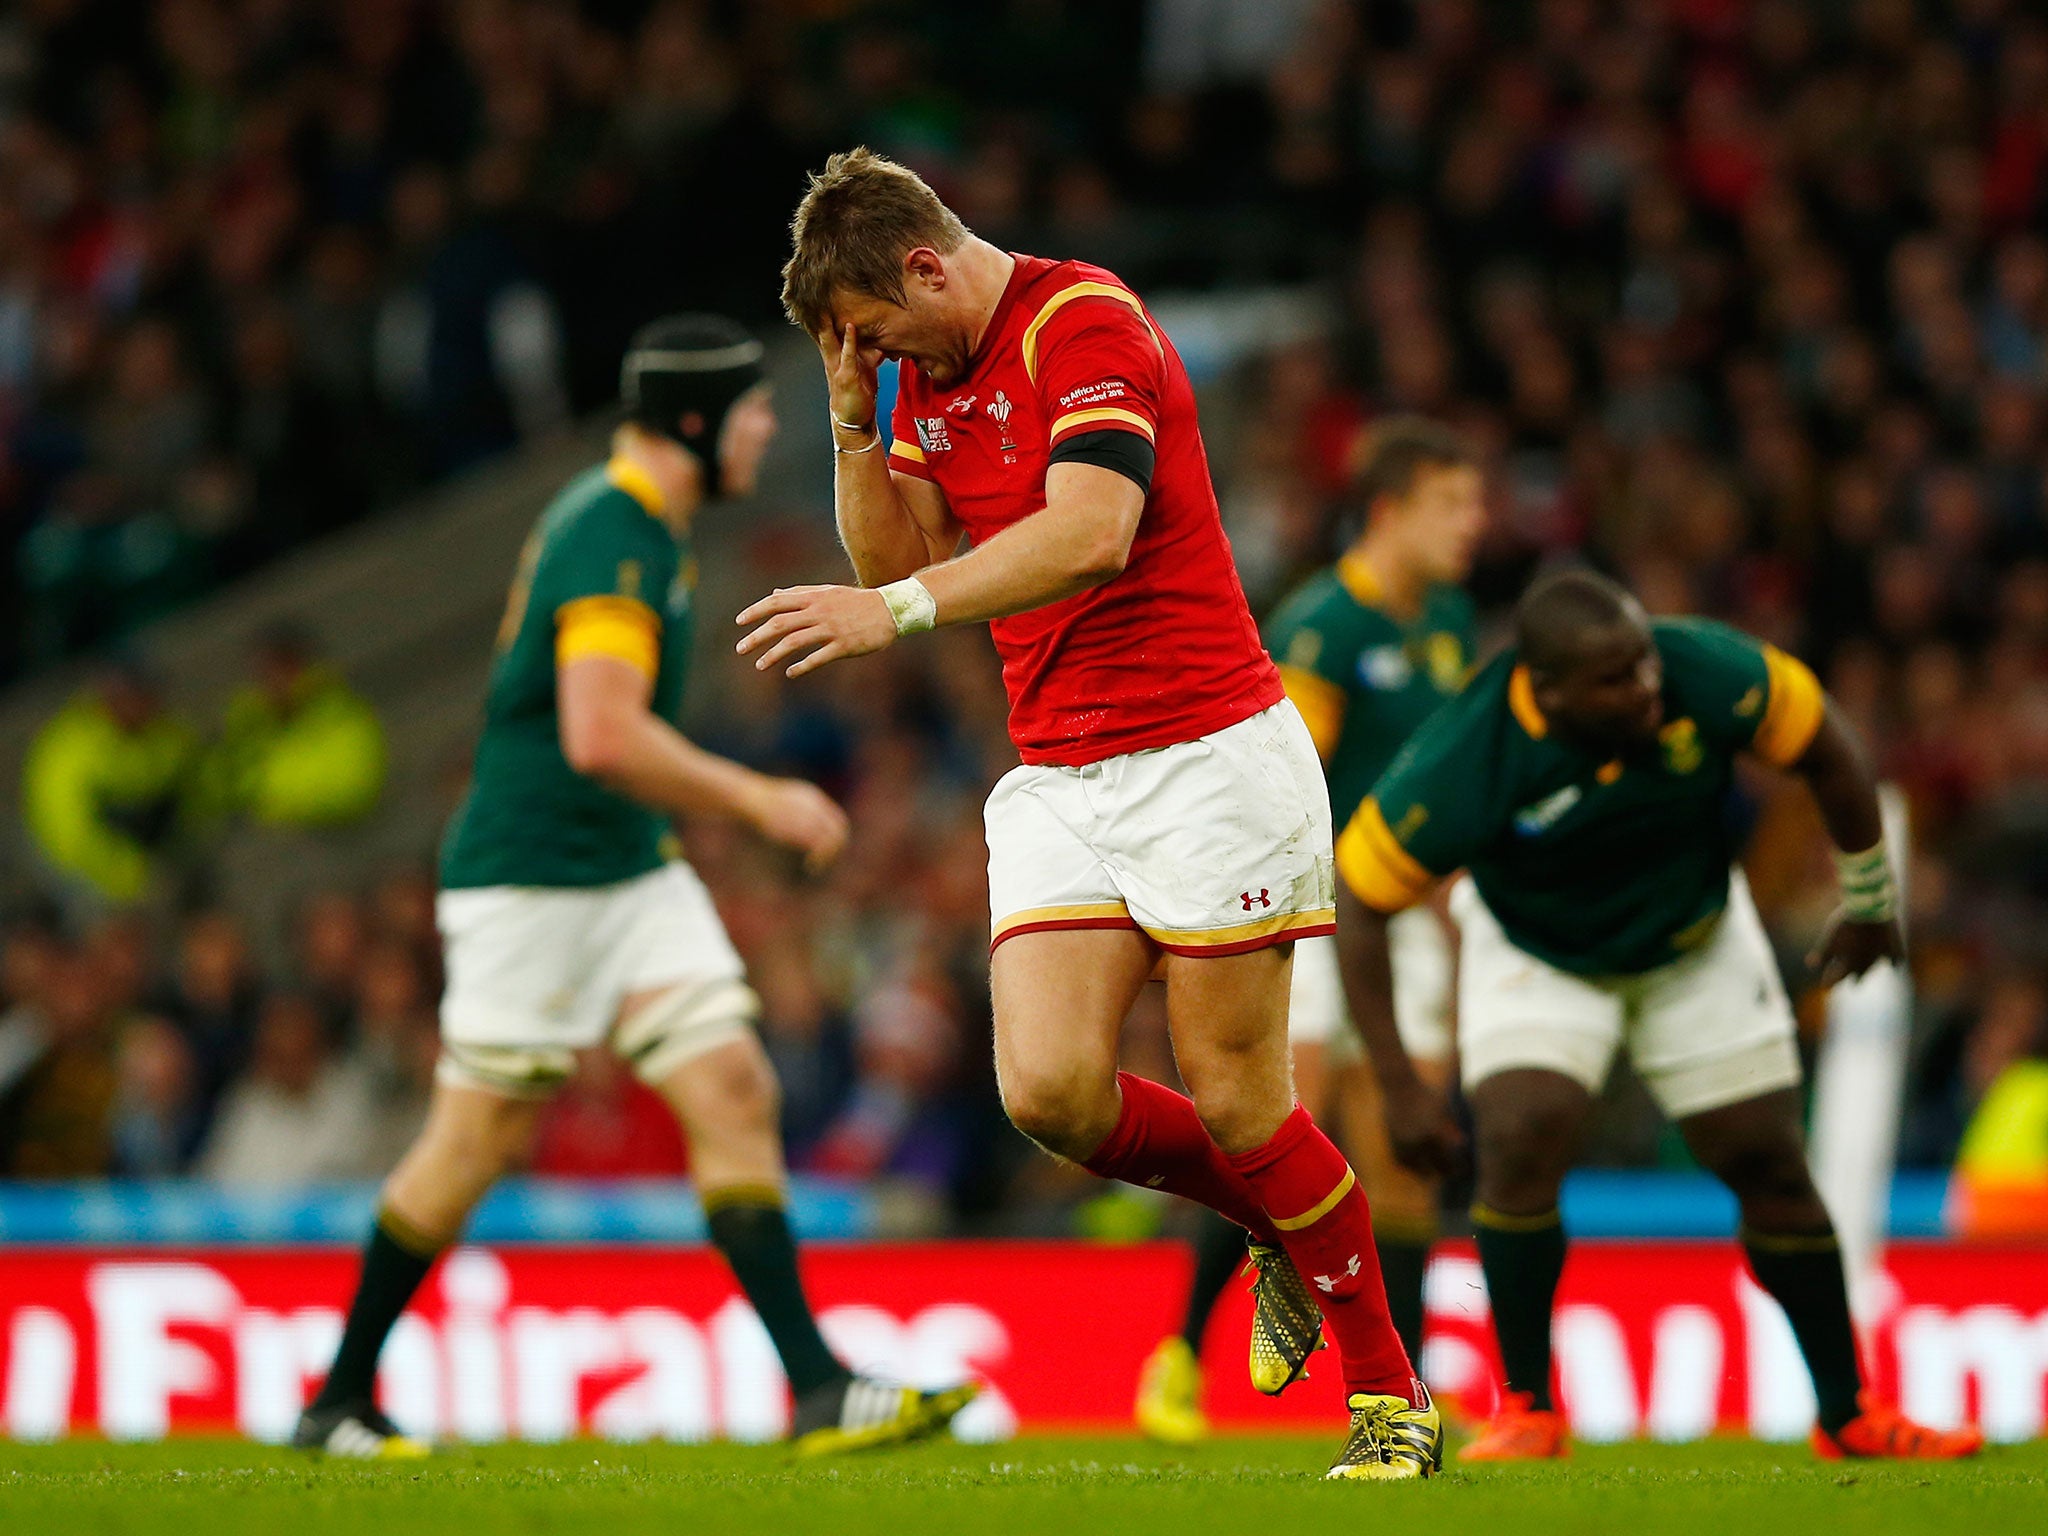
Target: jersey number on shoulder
{"x":522,"y":588}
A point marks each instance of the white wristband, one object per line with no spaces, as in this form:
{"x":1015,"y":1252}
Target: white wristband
{"x":1869,"y":892}
{"x":913,"y":608}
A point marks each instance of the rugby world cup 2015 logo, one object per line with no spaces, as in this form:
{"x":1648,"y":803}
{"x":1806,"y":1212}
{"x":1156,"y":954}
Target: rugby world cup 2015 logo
{"x":999,"y":412}
{"x":1535,"y":820}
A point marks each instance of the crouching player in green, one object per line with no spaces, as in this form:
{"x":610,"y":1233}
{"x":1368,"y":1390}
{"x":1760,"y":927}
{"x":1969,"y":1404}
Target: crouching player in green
{"x":1582,"y":780}
{"x":568,"y":924}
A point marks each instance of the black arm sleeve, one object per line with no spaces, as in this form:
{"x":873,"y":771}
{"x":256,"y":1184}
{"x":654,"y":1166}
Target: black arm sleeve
{"x":1129,"y":454}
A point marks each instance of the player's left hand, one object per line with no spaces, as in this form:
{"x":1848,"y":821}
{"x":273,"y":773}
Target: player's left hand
{"x":1849,"y":949}
{"x":817,"y":625}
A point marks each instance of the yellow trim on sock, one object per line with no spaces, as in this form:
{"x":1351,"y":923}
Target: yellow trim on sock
{"x":406,"y":1235}
{"x":1500,"y":1221}
{"x":1320,"y":1209}
{"x":728,"y":1195}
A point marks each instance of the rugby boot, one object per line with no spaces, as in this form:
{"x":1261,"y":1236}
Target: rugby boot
{"x":1391,"y":1438}
{"x":1520,"y":1431}
{"x":1880,"y":1431}
{"x":1287,"y":1325}
{"x":1169,"y":1407}
{"x":861,"y":1414}
{"x":356,"y":1432}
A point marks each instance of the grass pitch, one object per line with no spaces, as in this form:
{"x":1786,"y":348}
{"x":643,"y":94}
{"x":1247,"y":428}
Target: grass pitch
{"x":1046,"y":1486}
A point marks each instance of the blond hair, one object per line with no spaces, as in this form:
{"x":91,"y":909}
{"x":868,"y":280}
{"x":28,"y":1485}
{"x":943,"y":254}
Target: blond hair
{"x":859,"y":218}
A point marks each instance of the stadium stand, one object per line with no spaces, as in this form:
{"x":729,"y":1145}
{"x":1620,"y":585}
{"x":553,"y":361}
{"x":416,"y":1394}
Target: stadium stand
{"x":1749,"y":302}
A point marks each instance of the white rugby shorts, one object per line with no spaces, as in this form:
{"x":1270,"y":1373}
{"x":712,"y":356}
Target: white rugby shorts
{"x":1210,"y":847}
{"x":536,"y":974}
{"x":1420,"y":950}
{"x":1709,"y":1029}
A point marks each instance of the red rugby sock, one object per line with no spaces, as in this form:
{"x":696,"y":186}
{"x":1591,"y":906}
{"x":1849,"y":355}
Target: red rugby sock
{"x":1310,"y":1193}
{"x":1161,"y":1143}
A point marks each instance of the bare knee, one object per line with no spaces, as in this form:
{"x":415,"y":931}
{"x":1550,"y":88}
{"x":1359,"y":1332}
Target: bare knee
{"x":1526,"y":1142}
{"x":493,"y":1135}
{"x":744,"y":1081}
{"x":1064,"y":1113}
{"x":732,"y":1089}
{"x":1771,"y":1180}
{"x":1240,"y":1111}
{"x":471,"y":1140}
{"x":1756,"y":1149}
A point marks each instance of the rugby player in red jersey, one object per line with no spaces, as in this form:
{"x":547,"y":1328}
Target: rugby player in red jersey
{"x":1170,"y":801}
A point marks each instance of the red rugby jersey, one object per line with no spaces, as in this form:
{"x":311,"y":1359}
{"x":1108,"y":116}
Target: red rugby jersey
{"x":1168,"y":650}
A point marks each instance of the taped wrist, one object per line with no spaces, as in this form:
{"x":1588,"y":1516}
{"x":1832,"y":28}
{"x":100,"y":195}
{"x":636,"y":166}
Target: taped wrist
{"x":1125,"y":452}
{"x":913,"y":608}
{"x":1870,"y":894}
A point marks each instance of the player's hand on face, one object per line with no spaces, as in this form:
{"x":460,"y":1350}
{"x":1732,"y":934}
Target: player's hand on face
{"x":799,"y":815}
{"x":816,"y":625}
{"x":1849,"y":949}
{"x":1424,"y":1133}
{"x":849,"y":375}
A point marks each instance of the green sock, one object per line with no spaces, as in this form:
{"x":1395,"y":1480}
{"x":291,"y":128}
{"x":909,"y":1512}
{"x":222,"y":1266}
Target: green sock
{"x":395,"y":1261}
{"x":748,"y":1225}
{"x":1219,"y":1253}
{"x":1803,"y":1273}
{"x":1404,"y":1263}
{"x":1523,"y":1257}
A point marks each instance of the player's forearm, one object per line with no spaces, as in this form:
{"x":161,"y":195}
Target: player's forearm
{"x":881,"y":537}
{"x":1050,"y":555}
{"x":1843,"y":787}
{"x":1364,"y":959}
{"x":649,"y":761}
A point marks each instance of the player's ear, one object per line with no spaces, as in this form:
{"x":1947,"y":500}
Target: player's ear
{"x":924,"y":266}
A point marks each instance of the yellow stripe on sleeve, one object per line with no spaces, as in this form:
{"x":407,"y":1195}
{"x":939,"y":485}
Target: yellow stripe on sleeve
{"x":904,"y":448}
{"x":1066,"y":296}
{"x":1793,"y":713}
{"x":1381,"y":873}
{"x":1100,"y":414}
{"x":1321,"y":703}
{"x":620,"y":627}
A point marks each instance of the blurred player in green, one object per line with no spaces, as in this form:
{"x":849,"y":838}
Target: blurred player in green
{"x":1367,"y":649}
{"x":568,"y":919}
{"x":1582,"y":781}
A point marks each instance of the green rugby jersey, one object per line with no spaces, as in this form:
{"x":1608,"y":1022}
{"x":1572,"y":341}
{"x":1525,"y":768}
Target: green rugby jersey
{"x":601,"y":574}
{"x":1601,"y":867}
{"x":1362,"y":678}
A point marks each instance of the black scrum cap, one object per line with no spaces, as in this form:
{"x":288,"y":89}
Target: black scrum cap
{"x":691,"y":366}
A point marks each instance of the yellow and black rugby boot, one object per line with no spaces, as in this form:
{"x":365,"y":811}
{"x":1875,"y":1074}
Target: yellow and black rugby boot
{"x":1392,"y":1438}
{"x":863,"y":1414}
{"x":1287,"y":1325}
{"x":355,"y":1432}
{"x":1169,"y":1407}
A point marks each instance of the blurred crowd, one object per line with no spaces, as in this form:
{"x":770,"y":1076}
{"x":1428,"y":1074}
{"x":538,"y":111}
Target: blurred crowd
{"x":1746,"y":300}
{"x":146,"y":1053}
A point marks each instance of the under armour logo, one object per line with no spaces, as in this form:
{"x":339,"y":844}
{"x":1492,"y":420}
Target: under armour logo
{"x":1248,"y":898}
{"x":1328,"y":1283}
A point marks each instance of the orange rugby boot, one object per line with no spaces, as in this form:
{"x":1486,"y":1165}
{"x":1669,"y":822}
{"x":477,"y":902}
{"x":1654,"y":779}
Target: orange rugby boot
{"x":1520,"y":1431}
{"x":1880,"y":1430}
